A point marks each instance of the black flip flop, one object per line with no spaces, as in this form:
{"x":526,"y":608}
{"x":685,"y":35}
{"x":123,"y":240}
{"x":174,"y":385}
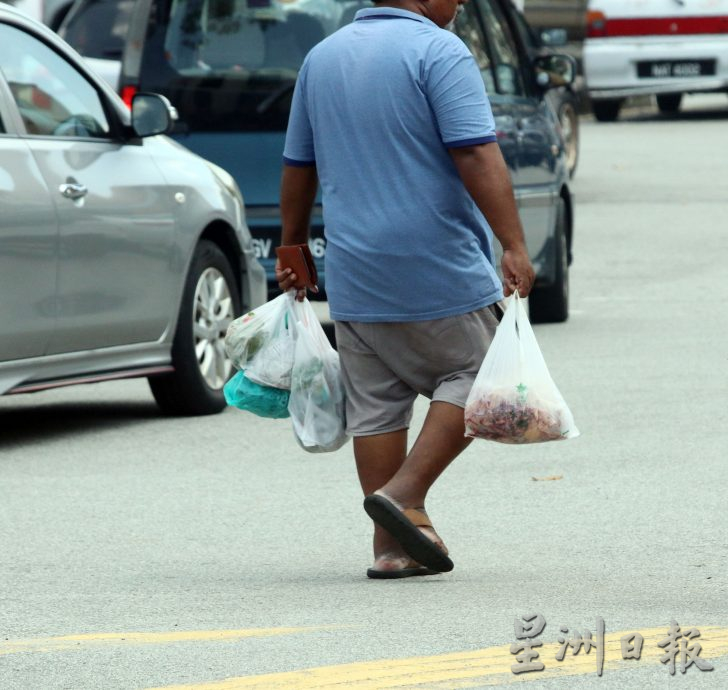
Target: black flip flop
{"x":402,"y":572}
{"x":403,"y":526}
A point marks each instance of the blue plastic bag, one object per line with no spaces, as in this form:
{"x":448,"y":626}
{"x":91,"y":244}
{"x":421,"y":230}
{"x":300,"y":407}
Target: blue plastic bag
{"x":263,"y":401}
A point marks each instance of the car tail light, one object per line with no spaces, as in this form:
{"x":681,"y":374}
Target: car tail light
{"x":596,"y":24}
{"x":127,"y":94}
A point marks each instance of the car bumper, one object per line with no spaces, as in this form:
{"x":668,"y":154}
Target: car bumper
{"x":611,"y":65}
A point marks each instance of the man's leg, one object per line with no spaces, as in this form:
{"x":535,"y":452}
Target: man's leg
{"x":440,"y":441}
{"x":383,"y":465}
{"x":378,"y":458}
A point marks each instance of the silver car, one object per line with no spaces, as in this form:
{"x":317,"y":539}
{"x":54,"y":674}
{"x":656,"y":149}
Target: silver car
{"x":122,"y":254}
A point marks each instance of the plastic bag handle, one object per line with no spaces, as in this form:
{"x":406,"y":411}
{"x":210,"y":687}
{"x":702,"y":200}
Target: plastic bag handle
{"x":518,"y":324}
{"x":304,"y":317}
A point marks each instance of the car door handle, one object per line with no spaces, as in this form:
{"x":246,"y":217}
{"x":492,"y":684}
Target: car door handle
{"x":73,"y":190}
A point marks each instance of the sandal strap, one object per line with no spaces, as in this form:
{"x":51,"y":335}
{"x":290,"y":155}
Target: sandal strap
{"x":417,"y":517}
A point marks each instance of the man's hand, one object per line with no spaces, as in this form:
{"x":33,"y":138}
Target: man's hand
{"x":517,"y":272}
{"x":286,"y":281}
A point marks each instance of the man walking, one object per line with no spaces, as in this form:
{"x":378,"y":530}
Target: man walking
{"x":390,"y":115}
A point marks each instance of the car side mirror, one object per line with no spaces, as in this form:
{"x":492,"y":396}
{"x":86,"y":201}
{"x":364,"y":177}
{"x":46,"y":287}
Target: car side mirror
{"x":553,"y":71}
{"x":554,"y":38}
{"x":151,"y":114}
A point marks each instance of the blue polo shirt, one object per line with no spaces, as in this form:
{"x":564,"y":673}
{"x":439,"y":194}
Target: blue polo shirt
{"x":376,"y":107}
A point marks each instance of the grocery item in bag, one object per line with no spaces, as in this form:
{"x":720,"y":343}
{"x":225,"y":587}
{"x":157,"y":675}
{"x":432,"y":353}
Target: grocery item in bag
{"x":317,"y":403}
{"x":252,"y":332}
{"x":514,"y":398}
{"x":263,"y":401}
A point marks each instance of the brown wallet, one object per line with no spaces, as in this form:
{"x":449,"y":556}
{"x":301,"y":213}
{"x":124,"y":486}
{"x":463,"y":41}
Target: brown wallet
{"x":299,"y":259}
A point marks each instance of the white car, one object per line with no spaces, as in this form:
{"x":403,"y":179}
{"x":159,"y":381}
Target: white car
{"x":122,"y":254}
{"x":661,"y":47}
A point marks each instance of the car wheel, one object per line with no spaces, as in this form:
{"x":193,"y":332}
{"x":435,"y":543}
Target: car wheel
{"x":607,"y":110}
{"x":209,"y":303}
{"x":550,"y":304}
{"x":669,"y":102}
{"x":569,"y":121}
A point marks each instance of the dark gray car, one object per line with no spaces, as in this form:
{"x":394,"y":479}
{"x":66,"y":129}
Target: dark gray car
{"x":518,"y":82}
{"x":121,"y":253}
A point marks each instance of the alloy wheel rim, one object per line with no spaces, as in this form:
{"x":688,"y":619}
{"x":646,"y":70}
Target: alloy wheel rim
{"x":568,"y":129}
{"x":212,"y":313}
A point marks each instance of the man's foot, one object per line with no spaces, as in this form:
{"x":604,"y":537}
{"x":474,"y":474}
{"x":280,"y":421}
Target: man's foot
{"x":411,"y":528}
{"x":391,"y":562}
{"x":393,"y":569}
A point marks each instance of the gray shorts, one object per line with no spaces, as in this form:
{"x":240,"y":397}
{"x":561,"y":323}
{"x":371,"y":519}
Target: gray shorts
{"x":385,"y":366}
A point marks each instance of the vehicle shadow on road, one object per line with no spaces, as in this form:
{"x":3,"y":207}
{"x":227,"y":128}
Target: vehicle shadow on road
{"x":51,"y":421}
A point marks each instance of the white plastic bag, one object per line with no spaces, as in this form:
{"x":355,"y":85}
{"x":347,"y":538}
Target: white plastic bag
{"x":514,"y":398}
{"x":261,"y":343}
{"x":317,"y":402}
{"x":273,"y":364}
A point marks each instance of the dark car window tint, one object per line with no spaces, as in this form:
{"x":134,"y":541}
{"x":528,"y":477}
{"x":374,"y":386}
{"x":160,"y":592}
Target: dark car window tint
{"x":507,"y":67}
{"x":52,"y":97}
{"x":467,"y":26}
{"x":242,"y":36}
{"x":231,"y":65}
{"x":98,"y":28}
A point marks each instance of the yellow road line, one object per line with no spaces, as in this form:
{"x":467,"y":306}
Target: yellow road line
{"x":489,"y":666}
{"x":54,"y":644}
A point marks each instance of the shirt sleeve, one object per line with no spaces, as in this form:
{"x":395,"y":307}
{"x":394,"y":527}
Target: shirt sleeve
{"x":299,"y":148}
{"x":456,"y":93}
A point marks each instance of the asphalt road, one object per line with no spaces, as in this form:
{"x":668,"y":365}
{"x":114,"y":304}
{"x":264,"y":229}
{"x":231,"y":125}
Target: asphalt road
{"x":143,"y":552}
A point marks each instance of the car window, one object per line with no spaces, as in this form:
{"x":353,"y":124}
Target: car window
{"x":467,"y":26}
{"x":245,"y":37}
{"x":52,"y":97}
{"x":98,"y":28}
{"x":507,"y":64}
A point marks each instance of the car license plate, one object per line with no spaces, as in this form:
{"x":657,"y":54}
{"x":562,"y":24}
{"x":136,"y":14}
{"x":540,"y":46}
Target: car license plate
{"x":679,"y":69}
{"x":265,"y":240}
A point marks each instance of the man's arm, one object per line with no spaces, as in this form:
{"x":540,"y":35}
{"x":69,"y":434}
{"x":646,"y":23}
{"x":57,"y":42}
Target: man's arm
{"x":485,"y":176}
{"x":298,"y":193}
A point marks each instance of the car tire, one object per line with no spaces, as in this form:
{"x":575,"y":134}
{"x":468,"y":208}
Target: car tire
{"x":569,"y":121}
{"x":606,"y":110}
{"x":550,"y":304}
{"x":669,"y":103}
{"x":209,"y":302}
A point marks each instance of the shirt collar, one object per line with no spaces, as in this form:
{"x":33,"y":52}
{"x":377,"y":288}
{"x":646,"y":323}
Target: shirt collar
{"x":390,"y":13}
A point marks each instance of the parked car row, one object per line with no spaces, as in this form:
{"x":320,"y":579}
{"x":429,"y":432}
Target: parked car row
{"x":230,"y":72}
{"x":124,"y":254}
